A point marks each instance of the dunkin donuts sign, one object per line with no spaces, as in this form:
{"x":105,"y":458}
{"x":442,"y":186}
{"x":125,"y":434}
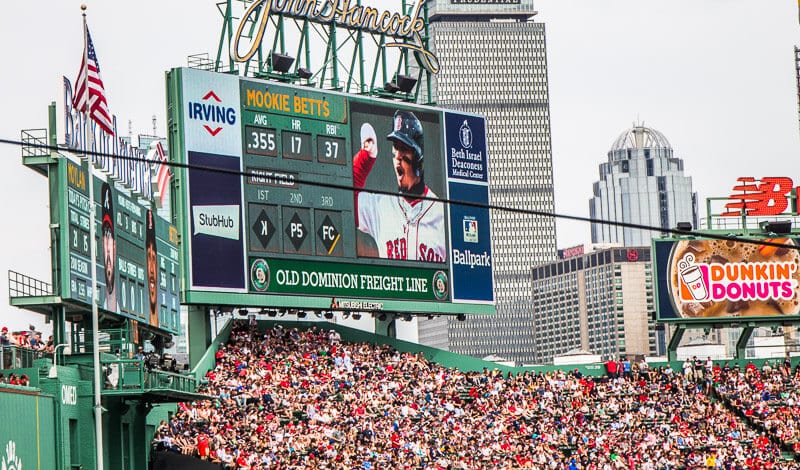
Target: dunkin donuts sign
{"x":724,"y":278}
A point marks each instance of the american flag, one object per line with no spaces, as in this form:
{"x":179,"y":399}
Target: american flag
{"x":160,"y":168}
{"x":89,"y":93}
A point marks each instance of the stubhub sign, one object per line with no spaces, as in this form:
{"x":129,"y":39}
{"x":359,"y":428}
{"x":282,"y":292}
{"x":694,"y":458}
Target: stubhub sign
{"x":217,"y":221}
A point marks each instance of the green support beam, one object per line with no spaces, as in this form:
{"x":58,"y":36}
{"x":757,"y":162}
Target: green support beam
{"x":741,"y":343}
{"x":672,"y":348}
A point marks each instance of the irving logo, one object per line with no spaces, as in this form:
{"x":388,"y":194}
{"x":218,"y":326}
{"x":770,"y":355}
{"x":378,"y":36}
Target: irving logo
{"x":212,"y":113}
{"x":767,"y":196}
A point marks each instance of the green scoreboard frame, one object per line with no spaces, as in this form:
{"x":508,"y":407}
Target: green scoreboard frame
{"x":69,"y":191}
{"x":267,"y":215}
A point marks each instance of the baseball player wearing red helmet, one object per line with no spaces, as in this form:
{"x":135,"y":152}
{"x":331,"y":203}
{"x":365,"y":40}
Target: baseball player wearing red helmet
{"x":403,"y":227}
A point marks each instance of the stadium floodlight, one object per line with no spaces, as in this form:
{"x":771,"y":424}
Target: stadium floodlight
{"x":356,"y":316}
{"x":391,"y":87}
{"x":684,"y":226}
{"x":407,"y":317}
{"x":301,"y":314}
{"x":329,"y":315}
{"x":405,"y":83}
{"x":304,"y":73}
{"x":281,"y":62}
{"x":461,"y":317}
{"x":382,"y":316}
{"x":776,"y":227}
{"x":243,"y":312}
{"x":272,"y":313}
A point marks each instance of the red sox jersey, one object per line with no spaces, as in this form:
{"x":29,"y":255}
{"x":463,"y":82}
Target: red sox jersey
{"x":402,"y":228}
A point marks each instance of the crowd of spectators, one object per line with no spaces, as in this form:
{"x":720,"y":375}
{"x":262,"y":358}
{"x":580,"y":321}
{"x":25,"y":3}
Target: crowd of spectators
{"x":289,"y":398}
{"x":28,"y":339}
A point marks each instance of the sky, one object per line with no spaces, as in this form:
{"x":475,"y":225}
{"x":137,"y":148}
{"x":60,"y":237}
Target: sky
{"x":716,"y":77}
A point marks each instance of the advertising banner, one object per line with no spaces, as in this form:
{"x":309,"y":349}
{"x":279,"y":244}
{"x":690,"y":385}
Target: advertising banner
{"x":723,"y":279}
{"x":468,"y":181}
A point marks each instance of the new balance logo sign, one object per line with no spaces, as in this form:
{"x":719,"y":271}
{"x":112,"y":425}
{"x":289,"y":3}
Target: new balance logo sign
{"x":764,"y":197}
{"x":212,"y":113}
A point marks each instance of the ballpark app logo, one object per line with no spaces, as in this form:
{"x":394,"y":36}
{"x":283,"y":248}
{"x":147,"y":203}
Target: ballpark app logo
{"x":10,"y":460}
{"x":212,"y":113}
{"x":465,"y":135}
{"x":470,"y":229}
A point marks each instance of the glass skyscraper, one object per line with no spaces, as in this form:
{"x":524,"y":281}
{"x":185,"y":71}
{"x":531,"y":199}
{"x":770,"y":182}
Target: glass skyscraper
{"x":641,"y":183}
{"x":493,"y":62}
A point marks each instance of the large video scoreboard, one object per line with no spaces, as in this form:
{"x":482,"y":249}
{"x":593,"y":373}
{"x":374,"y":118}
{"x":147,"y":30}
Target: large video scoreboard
{"x":268,"y":216}
{"x":128,"y":282}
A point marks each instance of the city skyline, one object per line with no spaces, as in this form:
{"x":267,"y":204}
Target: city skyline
{"x":717,"y":78}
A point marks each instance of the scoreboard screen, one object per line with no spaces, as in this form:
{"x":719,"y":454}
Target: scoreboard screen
{"x":290,"y":198}
{"x":137,"y":266}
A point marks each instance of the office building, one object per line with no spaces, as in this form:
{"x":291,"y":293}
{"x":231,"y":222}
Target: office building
{"x":493,"y":62}
{"x":602,"y":302}
{"x":641,"y":183}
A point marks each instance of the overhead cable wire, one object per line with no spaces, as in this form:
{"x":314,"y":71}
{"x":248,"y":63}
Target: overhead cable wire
{"x":329,"y":185}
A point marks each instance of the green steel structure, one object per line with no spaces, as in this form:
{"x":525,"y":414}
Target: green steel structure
{"x":366,"y":51}
{"x":51,"y":423}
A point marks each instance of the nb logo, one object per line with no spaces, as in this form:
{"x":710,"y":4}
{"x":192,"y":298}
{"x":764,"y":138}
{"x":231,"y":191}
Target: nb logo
{"x":753,"y":197}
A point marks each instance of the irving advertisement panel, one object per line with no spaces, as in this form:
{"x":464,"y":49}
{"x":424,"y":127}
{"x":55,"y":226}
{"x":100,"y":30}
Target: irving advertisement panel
{"x":292,"y":198}
{"x":723,"y":279}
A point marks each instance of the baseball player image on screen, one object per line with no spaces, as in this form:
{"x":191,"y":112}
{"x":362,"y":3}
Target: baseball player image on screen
{"x":109,"y":247}
{"x":402,"y":227}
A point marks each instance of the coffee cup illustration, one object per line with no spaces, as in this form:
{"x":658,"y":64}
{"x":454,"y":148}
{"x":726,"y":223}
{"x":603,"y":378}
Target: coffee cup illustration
{"x":692,"y":278}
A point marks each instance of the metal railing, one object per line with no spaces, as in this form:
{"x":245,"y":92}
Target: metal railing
{"x":123,"y":376}
{"x":200,"y":61}
{"x":20,"y":285}
{"x":17,"y":357}
{"x":34,"y":143}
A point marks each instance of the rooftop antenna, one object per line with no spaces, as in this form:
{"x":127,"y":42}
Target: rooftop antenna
{"x":154,"y":125}
{"x":130,"y":129}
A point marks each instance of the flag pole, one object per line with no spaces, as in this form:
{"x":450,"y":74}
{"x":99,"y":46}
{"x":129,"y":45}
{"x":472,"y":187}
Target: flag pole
{"x":98,"y":404}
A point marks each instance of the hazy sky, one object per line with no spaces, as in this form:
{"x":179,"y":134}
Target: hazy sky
{"x":716,"y":77}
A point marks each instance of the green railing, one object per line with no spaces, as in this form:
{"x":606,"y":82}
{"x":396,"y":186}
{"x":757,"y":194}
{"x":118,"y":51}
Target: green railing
{"x":126,"y":376}
{"x":16,"y":357}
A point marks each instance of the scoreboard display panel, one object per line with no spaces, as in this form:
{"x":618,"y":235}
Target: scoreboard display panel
{"x":289,"y":198}
{"x":137,"y":266}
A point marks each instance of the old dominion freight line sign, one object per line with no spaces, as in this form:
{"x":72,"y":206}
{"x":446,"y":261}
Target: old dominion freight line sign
{"x":330,"y":279}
